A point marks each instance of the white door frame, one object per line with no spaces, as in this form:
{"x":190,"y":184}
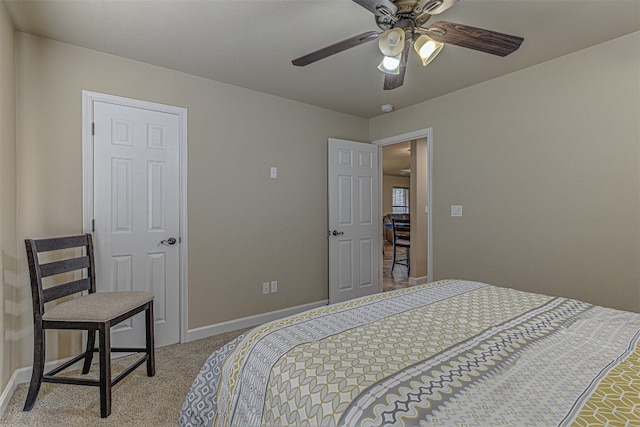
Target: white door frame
{"x":88,"y":98}
{"x":422,"y":133}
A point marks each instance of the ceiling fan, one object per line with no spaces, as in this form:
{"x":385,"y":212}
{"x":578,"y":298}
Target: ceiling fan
{"x":403,"y":25}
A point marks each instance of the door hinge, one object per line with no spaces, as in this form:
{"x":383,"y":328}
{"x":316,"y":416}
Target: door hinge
{"x":93,"y":129}
{"x":93,"y":225}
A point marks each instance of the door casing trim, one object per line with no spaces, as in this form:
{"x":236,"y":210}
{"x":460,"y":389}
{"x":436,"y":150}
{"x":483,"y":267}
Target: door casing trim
{"x":88,"y":99}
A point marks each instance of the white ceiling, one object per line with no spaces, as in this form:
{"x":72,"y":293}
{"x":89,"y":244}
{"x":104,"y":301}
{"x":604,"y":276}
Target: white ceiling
{"x":251,"y":43}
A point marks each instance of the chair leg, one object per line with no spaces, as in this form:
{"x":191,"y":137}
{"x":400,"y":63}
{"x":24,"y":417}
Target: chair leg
{"x":38,"y":368}
{"x":393,"y":260}
{"x":88,"y":355}
{"x":104,"y":332}
{"x":151,"y":348}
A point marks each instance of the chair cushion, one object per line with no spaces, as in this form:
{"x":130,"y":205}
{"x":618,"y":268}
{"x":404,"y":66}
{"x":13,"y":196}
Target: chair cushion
{"x":97,"y":307}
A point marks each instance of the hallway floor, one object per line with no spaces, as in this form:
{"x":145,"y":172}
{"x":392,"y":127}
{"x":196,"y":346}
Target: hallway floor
{"x":399,"y":278}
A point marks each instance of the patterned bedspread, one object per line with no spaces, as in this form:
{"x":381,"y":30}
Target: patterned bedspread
{"x":449,"y":353}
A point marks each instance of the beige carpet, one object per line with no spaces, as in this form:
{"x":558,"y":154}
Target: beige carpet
{"x":137,"y":400}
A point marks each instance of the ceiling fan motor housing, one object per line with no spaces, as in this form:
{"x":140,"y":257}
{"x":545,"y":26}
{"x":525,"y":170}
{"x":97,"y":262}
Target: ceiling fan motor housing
{"x":412,"y":8}
{"x":410,"y":13}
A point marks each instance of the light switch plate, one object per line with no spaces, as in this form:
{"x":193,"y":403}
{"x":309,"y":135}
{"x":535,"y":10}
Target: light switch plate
{"x":274,"y":172}
{"x":456,"y":210}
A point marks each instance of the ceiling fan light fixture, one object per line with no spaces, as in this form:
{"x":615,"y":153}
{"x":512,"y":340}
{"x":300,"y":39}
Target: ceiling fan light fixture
{"x":391,"y":42}
{"x":427,"y":48}
{"x":390,"y":64}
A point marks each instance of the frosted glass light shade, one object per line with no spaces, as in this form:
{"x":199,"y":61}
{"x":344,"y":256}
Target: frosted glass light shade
{"x":390,"y":64}
{"x":391,"y":42}
{"x":427,"y":48}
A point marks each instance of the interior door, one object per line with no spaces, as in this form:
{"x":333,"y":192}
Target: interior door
{"x":354,"y":229}
{"x":136,"y":214}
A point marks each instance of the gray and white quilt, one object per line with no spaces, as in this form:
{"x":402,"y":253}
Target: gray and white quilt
{"x":450,"y":353}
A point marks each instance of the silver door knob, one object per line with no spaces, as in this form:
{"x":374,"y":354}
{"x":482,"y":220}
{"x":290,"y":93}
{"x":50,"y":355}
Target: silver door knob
{"x":169,"y":241}
{"x":337,"y":233}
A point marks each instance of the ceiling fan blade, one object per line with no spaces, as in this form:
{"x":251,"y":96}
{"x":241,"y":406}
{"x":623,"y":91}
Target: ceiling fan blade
{"x":335,"y":48}
{"x":392,"y":81}
{"x":377,"y":6}
{"x":474,"y":38}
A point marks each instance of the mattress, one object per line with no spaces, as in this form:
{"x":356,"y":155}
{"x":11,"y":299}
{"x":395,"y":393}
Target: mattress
{"x":447,"y":353}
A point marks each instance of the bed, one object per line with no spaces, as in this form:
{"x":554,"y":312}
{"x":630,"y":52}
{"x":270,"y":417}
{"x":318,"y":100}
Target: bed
{"x":449,"y":353}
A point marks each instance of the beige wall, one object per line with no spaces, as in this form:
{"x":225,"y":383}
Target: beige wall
{"x":546,"y":163}
{"x":244,"y":228}
{"x":7,"y":194}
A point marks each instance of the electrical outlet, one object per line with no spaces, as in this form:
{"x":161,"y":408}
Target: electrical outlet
{"x":265,"y":288}
{"x":274,"y":286}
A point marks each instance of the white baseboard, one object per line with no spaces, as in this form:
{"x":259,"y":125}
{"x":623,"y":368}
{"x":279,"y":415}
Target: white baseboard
{"x":23,"y":375}
{"x":418,"y":280}
{"x":5,"y":397}
{"x":247,"y":322}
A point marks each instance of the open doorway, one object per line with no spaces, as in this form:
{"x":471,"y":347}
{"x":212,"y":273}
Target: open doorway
{"x":396,"y":202}
{"x":405,"y":195}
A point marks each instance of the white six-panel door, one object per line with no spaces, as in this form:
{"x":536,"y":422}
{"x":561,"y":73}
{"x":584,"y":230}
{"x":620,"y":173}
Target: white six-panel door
{"x":354,"y":224}
{"x":136,"y":211}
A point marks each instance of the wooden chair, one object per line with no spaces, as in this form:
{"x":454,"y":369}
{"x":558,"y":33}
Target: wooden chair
{"x":401,"y":239}
{"x":93,"y":312}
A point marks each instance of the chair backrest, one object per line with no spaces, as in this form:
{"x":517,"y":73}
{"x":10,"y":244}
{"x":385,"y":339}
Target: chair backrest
{"x":39,"y":271}
{"x":401,"y":229}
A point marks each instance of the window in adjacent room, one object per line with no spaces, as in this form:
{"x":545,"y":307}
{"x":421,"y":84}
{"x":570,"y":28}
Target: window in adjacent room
{"x":400,"y":200}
